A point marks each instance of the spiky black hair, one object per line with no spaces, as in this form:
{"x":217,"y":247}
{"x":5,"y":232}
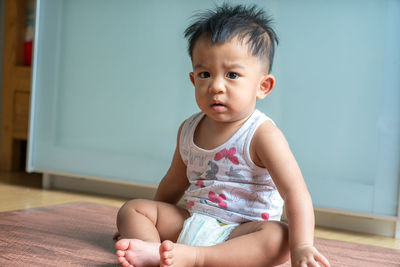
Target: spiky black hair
{"x":249,"y":24}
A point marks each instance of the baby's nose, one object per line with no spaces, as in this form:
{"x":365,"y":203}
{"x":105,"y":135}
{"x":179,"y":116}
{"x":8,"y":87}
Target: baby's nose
{"x":217,"y":86}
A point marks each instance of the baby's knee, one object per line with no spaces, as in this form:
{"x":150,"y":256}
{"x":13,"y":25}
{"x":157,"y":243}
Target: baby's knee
{"x":278,"y":232}
{"x":271,"y":236}
{"x":133,"y":206}
{"x":274,"y":229}
{"x":279,"y":240}
{"x":282,"y":231}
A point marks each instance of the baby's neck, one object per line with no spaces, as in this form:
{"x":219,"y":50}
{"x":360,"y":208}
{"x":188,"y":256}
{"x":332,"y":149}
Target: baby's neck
{"x":210,"y":134}
{"x":223,"y":126}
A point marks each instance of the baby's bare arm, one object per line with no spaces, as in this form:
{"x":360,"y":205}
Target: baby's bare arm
{"x":175,"y":182}
{"x":272,"y":151}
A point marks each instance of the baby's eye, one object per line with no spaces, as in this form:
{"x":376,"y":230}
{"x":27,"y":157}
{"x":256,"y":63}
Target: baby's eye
{"x":204,"y":75}
{"x":232,"y":75}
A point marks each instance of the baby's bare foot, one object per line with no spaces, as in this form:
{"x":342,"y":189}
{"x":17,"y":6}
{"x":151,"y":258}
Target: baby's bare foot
{"x":178,"y":255}
{"x":137,"y":253}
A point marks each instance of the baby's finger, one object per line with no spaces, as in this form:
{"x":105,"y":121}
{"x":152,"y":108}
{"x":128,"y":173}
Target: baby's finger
{"x":313,"y":263}
{"x":320,"y":258}
{"x":309,"y":263}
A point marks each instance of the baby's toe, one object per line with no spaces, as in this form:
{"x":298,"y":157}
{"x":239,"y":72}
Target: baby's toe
{"x":122,"y":244}
{"x":166,"y":246}
{"x":120,"y":253}
{"x":166,"y":253}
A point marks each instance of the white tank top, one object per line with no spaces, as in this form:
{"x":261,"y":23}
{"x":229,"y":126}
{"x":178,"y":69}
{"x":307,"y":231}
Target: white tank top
{"x":224,"y":182}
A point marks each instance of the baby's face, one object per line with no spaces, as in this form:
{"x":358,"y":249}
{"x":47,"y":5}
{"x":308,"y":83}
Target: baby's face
{"x":227,"y":79}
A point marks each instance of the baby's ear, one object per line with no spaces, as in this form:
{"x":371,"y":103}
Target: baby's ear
{"x":191,"y":76}
{"x":266,"y":86}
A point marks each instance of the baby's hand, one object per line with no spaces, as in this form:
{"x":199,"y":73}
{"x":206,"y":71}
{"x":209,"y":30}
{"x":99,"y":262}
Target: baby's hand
{"x":306,"y":256}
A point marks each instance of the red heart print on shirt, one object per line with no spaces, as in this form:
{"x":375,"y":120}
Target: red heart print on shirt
{"x":220,"y":199}
{"x":229,"y":154}
{"x":265,"y":216}
{"x":200,"y":183}
{"x":189,"y":204}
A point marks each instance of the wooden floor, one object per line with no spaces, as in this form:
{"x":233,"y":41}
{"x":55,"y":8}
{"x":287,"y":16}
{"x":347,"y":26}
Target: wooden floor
{"x":19,"y":190}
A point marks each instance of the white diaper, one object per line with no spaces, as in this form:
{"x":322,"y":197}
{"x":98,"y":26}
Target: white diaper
{"x":203,"y":230}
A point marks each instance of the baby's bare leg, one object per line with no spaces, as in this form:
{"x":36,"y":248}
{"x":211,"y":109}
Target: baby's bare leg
{"x":143,"y":224}
{"x":250,"y":244}
{"x":150,"y":220}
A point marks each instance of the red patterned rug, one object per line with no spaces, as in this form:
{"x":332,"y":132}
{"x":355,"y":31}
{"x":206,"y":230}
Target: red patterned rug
{"x":80,"y":234}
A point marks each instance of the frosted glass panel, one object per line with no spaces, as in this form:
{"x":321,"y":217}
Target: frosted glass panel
{"x":111,"y":87}
{"x":338,"y":99}
{"x":110,"y":94}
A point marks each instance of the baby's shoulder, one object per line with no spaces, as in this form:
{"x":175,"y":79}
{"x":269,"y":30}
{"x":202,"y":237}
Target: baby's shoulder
{"x":267,"y":134}
{"x":267,"y":128}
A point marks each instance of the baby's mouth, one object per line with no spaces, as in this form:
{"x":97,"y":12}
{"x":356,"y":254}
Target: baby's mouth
{"x":216,"y":102}
{"x":218,"y":106}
